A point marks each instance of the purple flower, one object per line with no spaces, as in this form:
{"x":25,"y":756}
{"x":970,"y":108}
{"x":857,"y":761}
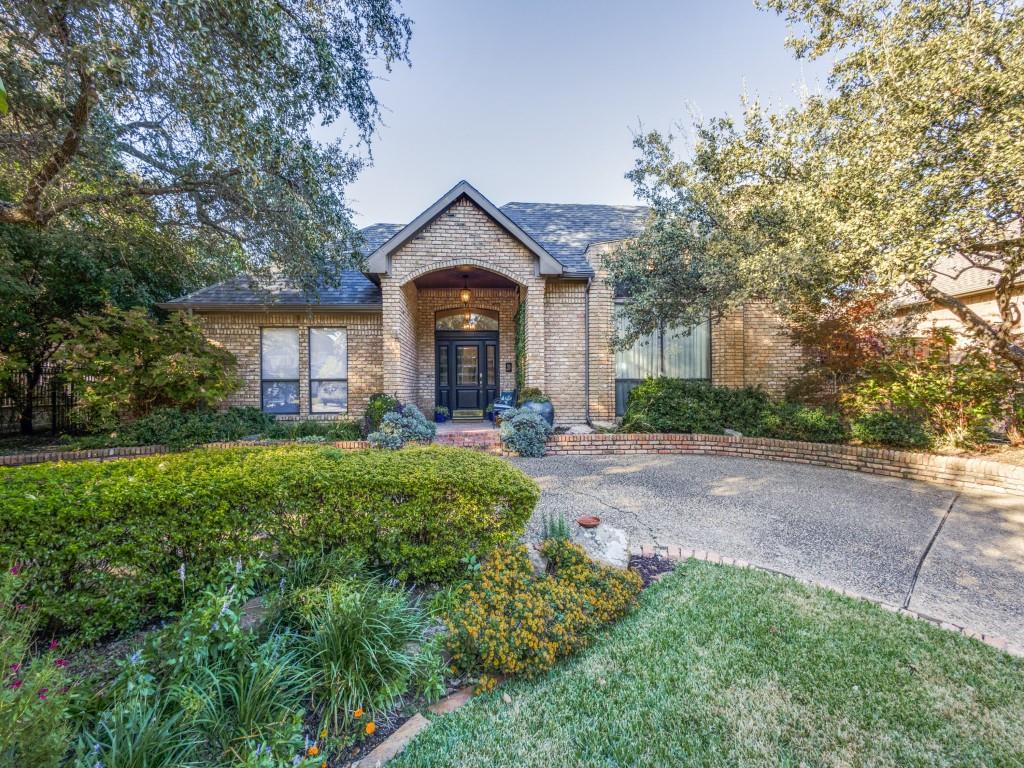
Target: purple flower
{"x":60,"y":663}
{"x":15,"y":667}
{"x":181,"y":572}
{"x":15,"y":569}
{"x":53,"y":645}
{"x":42,"y":693}
{"x":16,"y":685}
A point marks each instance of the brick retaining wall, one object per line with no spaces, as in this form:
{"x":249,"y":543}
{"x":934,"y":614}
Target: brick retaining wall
{"x":955,"y":471}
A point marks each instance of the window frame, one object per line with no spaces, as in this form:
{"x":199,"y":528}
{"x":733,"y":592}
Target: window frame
{"x":296,"y":381}
{"x":661,"y":362}
{"x":309,"y":368}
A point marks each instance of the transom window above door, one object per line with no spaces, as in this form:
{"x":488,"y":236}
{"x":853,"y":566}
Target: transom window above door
{"x":466,"y":320}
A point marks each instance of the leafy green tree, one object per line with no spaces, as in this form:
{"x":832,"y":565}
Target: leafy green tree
{"x":124,"y":364}
{"x":201,"y":108}
{"x":909,"y":169}
{"x":77,"y":267}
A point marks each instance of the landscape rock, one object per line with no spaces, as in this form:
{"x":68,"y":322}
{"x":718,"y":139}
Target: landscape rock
{"x":607,"y":545}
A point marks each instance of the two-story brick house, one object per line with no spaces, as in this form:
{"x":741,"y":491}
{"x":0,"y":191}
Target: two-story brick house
{"x":434,"y":317}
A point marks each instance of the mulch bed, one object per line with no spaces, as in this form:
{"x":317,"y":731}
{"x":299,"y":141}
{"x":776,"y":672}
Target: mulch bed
{"x":650,"y":566}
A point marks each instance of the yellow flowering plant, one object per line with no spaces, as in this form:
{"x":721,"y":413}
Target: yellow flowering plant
{"x":510,"y":621}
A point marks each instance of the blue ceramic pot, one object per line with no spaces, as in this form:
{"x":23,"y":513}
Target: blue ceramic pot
{"x":545,"y":409}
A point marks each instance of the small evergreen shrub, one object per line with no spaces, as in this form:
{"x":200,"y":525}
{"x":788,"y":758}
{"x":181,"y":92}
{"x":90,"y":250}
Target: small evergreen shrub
{"x":376,"y":407}
{"x":678,"y":405}
{"x":533,"y":395}
{"x":525,"y":432}
{"x":179,"y":429}
{"x":114,"y":544}
{"x":397,"y":429}
{"x":509,"y":621}
{"x":888,"y":428}
{"x":791,"y":421}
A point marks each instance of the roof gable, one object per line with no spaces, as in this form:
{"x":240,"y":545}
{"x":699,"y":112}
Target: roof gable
{"x":378,"y":262}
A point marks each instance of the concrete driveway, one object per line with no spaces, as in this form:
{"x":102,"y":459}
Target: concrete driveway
{"x":864,"y":533}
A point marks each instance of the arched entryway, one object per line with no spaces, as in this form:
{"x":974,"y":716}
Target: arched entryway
{"x":467,"y":360}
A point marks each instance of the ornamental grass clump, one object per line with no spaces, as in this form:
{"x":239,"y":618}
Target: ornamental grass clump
{"x":510,"y":621}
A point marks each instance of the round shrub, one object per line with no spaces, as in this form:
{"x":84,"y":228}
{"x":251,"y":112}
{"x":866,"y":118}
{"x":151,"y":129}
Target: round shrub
{"x":525,"y":432}
{"x":397,"y":429}
{"x":104,"y":545}
{"x":888,"y":428}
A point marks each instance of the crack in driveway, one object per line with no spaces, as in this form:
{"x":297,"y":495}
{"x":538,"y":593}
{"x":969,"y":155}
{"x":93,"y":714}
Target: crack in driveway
{"x":640,"y":522}
{"x":927,"y":549}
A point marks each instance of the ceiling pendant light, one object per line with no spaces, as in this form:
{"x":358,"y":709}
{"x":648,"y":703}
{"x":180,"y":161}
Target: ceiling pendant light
{"x":465,"y":294}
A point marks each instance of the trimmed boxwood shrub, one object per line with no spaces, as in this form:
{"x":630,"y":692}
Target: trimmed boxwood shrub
{"x":676,"y":405}
{"x":102,"y":543}
{"x":888,"y":428}
{"x":179,"y":429}
{"x":792,"y":421}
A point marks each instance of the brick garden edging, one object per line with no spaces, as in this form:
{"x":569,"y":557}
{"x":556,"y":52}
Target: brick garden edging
{"x":680,"y":554}
{"x":953,"y":471}
{"x":135,"y":451}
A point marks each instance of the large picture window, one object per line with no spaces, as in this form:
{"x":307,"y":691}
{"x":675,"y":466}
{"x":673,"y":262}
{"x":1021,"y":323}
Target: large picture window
{"x":673,"y":351}
{"x":279,"y":374}
{"x":328,"y":370}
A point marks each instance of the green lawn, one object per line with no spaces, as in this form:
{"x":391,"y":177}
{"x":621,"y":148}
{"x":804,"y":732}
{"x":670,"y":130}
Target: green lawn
{"x":723,"y":666}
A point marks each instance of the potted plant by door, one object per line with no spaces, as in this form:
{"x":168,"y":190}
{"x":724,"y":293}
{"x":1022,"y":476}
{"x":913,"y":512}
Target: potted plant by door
{"x":489,"y":412}
{"x":534,"y":400}
{"x":441,"y":414}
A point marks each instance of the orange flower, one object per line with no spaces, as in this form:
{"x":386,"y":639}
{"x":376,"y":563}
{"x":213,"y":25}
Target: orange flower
{"x":313,"y":751}
{"x":323,"y":764}
{"x":358,"y":713}
{"x":370,"y":728}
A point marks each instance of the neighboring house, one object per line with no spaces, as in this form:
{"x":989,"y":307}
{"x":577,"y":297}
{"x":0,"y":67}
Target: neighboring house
{"x":973,"y":286}
{"x":432,"y":319}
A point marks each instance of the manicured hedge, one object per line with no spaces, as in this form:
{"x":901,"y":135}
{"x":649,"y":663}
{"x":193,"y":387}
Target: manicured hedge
{"x":102,"y":543}
{"x":677,"y":405}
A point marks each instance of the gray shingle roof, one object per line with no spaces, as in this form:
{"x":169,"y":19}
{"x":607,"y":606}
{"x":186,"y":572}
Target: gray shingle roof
{"x":563,"y":230}
{"x":355,"y":290}
{"x":566,"y":230}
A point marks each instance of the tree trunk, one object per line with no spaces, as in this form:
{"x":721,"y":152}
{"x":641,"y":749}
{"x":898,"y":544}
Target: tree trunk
{"x":27,"y":418}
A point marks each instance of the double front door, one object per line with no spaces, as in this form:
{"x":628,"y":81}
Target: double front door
{"x":467,"y":372}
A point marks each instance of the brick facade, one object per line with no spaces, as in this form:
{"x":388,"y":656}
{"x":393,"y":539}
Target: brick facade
{"x":239,"y":333}
{"x":751,"y":347}
{"x":393,"y":350}
{"x":433,"y":300}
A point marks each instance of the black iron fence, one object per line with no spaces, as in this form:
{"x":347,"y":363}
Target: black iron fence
{"x":44,"y":401}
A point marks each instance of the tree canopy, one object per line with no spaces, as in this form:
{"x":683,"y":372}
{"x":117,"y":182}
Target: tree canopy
{"x":907,"y":172}
{"x":198,"y":109}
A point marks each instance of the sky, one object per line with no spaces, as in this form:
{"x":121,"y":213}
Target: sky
{"x":539,"y":101}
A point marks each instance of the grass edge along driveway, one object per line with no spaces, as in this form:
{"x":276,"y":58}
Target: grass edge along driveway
{"x":727,"y":666}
